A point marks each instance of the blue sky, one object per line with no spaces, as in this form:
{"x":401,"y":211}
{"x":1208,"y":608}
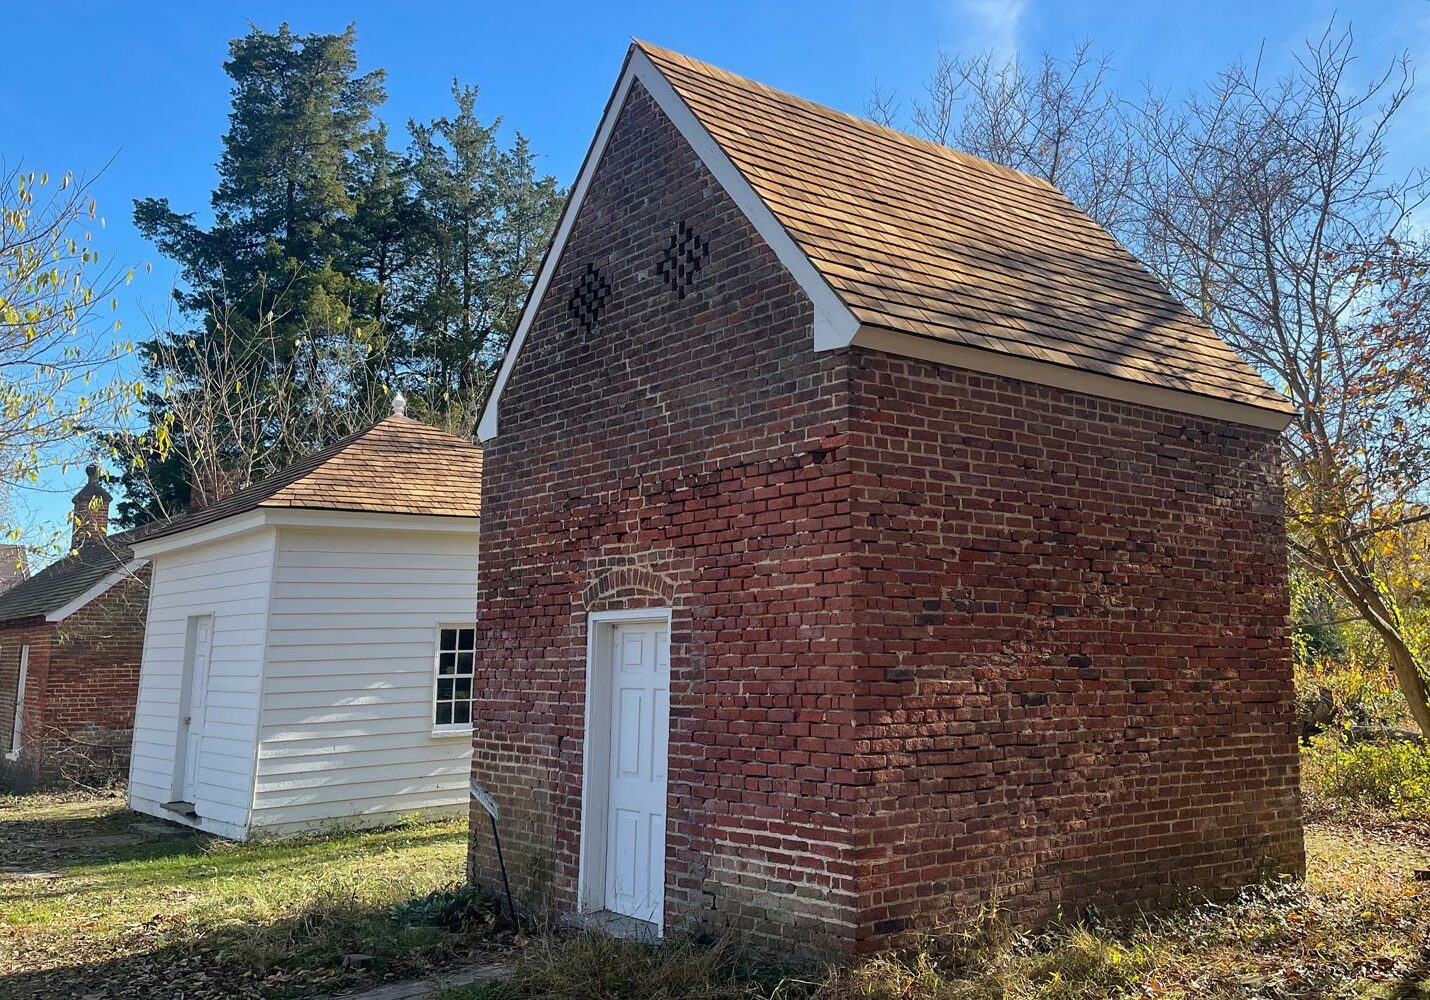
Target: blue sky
{"x":143,"y":86}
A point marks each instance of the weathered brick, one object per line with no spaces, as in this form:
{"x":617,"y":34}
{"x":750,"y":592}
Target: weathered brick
{"x":940,"y":640}
{"x":82,"y":682}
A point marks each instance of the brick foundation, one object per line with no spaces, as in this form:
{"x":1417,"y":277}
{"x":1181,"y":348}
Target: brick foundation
{"x":938,"y":639}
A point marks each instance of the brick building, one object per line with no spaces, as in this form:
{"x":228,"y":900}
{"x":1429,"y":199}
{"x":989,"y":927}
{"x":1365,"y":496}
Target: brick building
{"x":71,"y":639}
{"x":867,"y":539}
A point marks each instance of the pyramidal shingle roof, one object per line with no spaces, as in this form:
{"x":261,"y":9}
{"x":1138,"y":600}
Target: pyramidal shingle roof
{"x":396,"y":466}
{"x":920,"y":239}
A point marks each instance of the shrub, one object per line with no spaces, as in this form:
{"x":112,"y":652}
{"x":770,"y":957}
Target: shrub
{"x":1392,"y":775}
{"x":1356,"y":695}
{"x":459,"y":908}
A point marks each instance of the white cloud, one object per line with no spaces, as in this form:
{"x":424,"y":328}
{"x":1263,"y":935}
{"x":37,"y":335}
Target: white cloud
{"x":992,"y":25}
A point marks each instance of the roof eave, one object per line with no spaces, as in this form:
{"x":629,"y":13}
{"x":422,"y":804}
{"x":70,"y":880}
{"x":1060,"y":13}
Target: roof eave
{"x":97,"y":590}
{"x":307,"y":517}
{"x":1072,"y":379}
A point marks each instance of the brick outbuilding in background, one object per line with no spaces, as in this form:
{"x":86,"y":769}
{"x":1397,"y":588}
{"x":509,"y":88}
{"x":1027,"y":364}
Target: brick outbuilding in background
{"x":71,"y":640}
{"x":868,"y":540}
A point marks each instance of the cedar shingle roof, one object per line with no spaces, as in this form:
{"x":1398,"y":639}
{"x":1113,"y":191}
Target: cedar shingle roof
{"x":924,"y":240}
{"x":396,"y":466}
{"x":65,"y":579}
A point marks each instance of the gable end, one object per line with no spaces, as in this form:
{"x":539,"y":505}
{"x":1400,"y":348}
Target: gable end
{"x":834,"y":325}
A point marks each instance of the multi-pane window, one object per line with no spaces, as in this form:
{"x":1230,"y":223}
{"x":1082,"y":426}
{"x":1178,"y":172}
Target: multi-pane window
{"x":456,"y":650}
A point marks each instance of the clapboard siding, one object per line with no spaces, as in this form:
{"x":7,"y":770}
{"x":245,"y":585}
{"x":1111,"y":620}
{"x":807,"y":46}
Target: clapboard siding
{"x":346,"y":728}
{"x":299,"y":815}
{"x":228,"y":578}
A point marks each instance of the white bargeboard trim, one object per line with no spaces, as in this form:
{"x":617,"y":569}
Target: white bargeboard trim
{"x":118,"y":576}
{"x":834,"y":324}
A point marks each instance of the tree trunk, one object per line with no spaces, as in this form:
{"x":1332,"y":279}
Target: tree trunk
{"x":1412,"y":682}
{"x":1358,"y":587}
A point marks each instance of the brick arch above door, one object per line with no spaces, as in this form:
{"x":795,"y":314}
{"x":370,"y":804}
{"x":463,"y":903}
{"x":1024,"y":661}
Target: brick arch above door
{"x":612,"y":586}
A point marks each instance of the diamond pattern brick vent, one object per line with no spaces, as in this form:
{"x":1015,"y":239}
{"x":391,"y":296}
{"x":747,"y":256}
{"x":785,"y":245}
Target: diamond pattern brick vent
{"x":683,"y":258}
{"x":589,"y":297}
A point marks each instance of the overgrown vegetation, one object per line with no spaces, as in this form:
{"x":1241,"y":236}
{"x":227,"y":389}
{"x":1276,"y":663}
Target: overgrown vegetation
{"x":1356,"y":928}
{"x":458,"y":908}
{"x":1393,"y":776}
{"x":1361,"y":749}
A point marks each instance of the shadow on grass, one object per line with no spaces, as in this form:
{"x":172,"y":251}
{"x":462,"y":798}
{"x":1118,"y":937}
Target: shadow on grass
{"x":98,"y":832}
{"x":192,"y":860}
{"x":297,"y":956}
{"x":1415,"y":984}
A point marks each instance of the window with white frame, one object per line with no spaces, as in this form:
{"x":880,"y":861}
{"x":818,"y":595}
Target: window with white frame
{"x":456,"y":654}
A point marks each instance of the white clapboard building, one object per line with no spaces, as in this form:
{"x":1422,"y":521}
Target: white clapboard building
{"x":309,"y":648}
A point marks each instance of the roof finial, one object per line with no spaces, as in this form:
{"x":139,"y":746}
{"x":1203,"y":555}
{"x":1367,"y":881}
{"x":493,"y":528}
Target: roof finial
{"x":399,"y":405}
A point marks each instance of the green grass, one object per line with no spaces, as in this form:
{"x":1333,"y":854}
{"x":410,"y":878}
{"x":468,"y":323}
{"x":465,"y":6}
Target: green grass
{"x":197,"y":916}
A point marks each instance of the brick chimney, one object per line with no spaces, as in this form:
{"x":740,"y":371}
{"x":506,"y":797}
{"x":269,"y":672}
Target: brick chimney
{"x":91,"y":510}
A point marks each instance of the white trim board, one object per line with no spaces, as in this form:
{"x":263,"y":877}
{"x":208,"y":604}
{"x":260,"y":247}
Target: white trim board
{"x":306,"y":517}
{"x":1063,"y":377}
{"x":835,"y":326}
{"x":122,"y":573}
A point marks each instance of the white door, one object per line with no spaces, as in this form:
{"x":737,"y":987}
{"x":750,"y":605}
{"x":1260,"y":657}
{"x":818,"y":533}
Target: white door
{"x":15,"y":739}
{"x":635,"y":810}
{"x":192,"y":696}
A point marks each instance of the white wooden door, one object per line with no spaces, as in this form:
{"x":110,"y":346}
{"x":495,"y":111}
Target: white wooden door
{"x":635,"y":811}
{"x":16,"y":740}
{"x":193,"y":697}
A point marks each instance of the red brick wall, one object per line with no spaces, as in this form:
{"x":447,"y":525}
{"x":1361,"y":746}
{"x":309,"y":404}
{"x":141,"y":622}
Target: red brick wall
{"x":682,"y":454}
{"x":1078,"y":615}
{"x":81,"y":687}
{"x":938,"y":639}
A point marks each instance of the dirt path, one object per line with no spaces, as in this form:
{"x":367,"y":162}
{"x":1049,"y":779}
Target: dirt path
{"x":421,"y":989}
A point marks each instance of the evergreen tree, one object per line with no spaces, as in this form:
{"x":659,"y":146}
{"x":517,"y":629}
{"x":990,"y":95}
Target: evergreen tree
{"x":334,"y":269}
{"x":300,"y":118}
{"x":290,"y":180}
{"x":486,"y":221}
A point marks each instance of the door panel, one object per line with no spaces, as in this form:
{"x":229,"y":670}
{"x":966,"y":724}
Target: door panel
{"x":639,"y":719}
{"x":194,"y":698}
{"x":631,"y":735}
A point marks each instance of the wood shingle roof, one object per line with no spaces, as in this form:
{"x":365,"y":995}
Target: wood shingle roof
{"x":923,"y":240}
{"x":396,"y":466}
{"x":65,"y":579}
